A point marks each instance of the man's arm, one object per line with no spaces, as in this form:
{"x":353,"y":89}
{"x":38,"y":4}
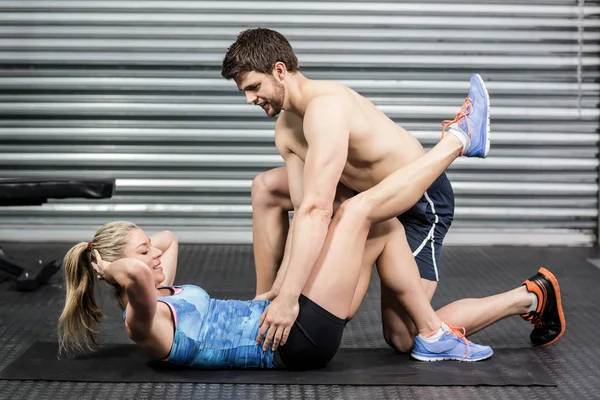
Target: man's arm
{"x":327,"y":133}
{"x":341,"y":195}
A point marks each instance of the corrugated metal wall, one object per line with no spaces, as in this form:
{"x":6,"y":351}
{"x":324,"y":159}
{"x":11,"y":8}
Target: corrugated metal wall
{"x":132,"y":90}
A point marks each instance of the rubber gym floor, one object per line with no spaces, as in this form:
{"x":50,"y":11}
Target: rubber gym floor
{"x":226,"y":271}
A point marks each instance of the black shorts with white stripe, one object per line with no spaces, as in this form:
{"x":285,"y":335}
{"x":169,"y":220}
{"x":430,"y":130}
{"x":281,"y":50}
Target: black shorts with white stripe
{"x":426,"y":225}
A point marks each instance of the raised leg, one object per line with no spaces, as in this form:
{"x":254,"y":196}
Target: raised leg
{"x":334,"y":279}
{"x":468,"y":134}
{"x":405,"y":186}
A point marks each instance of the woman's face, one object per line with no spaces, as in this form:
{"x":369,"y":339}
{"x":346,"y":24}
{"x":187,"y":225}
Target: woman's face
{"x":140,"y":247}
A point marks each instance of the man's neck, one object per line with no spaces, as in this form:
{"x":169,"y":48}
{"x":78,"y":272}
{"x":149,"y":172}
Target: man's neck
{"x":297,"y":97}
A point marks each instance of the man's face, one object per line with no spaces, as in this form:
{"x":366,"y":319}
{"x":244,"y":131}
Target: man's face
{"x":263,"y":90}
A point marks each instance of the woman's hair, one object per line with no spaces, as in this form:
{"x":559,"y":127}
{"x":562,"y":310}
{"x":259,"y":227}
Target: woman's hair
{"x":77,"y":323}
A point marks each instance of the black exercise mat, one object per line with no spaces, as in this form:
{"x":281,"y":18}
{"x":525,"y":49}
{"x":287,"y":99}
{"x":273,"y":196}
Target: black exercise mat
{"x":381,"y":367}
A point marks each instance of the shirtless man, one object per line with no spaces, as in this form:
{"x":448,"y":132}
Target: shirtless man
{"x":331,"y":134}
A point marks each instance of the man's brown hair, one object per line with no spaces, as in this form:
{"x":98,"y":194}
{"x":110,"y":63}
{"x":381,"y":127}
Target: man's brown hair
{"x":258,"y":50}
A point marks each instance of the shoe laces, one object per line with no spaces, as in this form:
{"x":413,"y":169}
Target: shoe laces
{"x":461,"y":333}
{"x":465,"y":110}
{"x":537,"y":321}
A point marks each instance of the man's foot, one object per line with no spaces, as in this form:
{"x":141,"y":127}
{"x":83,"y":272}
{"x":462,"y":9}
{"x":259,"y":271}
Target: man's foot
{"x":548,"y":317}
{"x":450,"y":345}
{"x":472,"y":123}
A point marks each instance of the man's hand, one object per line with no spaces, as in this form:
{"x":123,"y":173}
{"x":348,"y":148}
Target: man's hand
{"x":277,"y":320}
{"x":270,"y":295}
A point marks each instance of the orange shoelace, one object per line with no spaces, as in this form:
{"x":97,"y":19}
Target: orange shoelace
{"x":537,"y":321}
{"x":461,"y":335}
{"x":465,"y":110}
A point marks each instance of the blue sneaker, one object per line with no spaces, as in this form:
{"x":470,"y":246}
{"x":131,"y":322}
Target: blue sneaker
{"x":473,"y":119}
{"x":452,"y":345}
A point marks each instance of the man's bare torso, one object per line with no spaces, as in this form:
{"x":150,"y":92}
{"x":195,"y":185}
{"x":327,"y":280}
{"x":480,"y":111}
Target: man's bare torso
{"x":377,"y":146}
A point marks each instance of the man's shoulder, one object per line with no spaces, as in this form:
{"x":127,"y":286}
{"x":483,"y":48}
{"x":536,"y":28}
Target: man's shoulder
{"x":333,"y":88}
{"x":331,"y":97}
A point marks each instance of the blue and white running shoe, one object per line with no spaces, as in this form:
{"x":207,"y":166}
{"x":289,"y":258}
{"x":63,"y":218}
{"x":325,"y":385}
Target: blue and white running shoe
{"x":474,"y":120}
{"x":452,"y":345}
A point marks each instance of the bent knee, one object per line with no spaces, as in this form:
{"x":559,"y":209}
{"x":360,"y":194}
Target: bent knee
{"x":357,"y":209}
{"x":400,"y":336}
{"x":400,"y":342}
{"x":259,"y":189}
{"x":266,"y":191}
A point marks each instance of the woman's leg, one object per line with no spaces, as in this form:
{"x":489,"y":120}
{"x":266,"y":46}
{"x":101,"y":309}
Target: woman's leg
{"x":386,"y":240}
{"x":334,"y":279}
{"x":338,"y":266}
{"x":405,"y":186}
{"x":330,"y":294}
{"x":471,"y":314}
{"x":317,"y":332}
{"x":270,"y":222}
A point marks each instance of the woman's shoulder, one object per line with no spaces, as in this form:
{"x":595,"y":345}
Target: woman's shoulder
{"x":189,"y":293}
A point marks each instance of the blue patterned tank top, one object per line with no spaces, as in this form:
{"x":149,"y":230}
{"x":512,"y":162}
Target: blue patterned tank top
{"x":212,"y":333}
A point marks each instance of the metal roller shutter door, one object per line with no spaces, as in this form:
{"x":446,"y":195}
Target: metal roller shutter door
{"x":132,"y":90}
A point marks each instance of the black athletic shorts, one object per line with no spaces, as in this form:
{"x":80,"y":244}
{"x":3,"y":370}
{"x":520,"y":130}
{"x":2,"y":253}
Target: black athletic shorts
{"x":314,"y":338}
{"x":426,"y":224}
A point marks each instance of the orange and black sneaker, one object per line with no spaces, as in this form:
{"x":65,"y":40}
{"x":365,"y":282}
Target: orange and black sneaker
{"x":548,"y":318}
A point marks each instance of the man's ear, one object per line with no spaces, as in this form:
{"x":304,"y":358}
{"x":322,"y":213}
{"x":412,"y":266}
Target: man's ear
{"x":280,"y":71}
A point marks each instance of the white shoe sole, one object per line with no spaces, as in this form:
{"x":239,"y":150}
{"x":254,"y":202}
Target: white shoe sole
{"x":487,"y":125}
{"x":449,"y":358}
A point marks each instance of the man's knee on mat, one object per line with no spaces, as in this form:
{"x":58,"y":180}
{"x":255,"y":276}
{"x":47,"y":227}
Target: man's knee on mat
{"x":398,"y":330}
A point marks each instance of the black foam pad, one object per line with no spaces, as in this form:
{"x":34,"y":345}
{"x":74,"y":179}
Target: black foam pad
{"x":127,"y":363}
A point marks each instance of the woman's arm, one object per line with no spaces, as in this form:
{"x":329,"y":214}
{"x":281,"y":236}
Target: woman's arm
{"x":167,"y":242}
{"x":135,"y":277}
